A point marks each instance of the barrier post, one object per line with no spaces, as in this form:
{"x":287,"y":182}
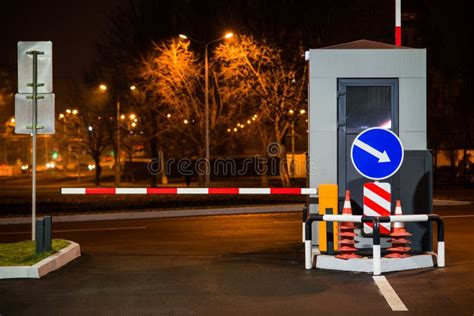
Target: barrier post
{"x":377,"y":254}
{"x":305,"y":216}
{"x":328,"y":199}
{"x":441,"y":248}
{"x":39,"y":235}
{"x":330,"y":233}
{"x":308,"y":247}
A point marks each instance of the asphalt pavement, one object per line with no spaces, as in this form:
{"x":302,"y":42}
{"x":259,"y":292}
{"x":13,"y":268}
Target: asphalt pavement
{"x":227,"y":265}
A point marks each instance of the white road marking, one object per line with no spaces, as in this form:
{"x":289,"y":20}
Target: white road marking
{"x":389,"y":293}
{"x":457,"y":216}
{"x":79,"y":230}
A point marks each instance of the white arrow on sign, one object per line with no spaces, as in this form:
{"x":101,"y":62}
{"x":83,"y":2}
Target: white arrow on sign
{"x":382,"y":157}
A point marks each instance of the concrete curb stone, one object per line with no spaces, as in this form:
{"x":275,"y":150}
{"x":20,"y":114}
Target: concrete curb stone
{"x":45,"y":266}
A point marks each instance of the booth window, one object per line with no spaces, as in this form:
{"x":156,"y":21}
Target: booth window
{"x":368,"y":106}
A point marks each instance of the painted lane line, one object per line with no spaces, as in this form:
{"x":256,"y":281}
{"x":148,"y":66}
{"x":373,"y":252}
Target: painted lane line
{"x":80,"y":230}
{"x":389,"y":293}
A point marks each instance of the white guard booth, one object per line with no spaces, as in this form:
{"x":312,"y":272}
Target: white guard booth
{"x":359,"y":85}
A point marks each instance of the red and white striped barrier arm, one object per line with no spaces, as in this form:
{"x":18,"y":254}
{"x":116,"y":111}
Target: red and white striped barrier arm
{"x":202,"y":191}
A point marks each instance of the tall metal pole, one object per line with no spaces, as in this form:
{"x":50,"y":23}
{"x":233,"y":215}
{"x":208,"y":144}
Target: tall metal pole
{"x":398,"y":22}
{"x":117,"y":154}
{"x":46,"y":149}
{"x":206,"y":97}
{"x":292,"y":165}
{"x":34,"y":121}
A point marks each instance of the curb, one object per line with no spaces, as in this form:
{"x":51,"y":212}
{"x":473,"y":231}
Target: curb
{"x":45,"y":266}
{"x":279,"y":208}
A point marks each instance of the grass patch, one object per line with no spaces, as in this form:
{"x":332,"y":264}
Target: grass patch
{"x":23,"y":253}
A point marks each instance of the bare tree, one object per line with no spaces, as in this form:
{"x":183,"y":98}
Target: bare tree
{"x":86,"y":130}
{"x":274,"y":87}
{"x":175,"y":73}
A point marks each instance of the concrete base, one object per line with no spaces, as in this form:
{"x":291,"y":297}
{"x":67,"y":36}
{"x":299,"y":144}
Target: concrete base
{"x":45,"y":266}
{"x":366,"y":264}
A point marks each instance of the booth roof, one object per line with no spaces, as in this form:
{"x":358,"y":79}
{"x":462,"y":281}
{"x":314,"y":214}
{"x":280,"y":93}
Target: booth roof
{"x":365,"y":44}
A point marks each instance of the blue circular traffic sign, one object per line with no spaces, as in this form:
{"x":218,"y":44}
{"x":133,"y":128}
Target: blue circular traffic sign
{"x":377,"y":153}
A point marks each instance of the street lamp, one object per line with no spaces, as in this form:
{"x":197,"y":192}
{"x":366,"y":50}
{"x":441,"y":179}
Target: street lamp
{"x":292,"y":135}
{"x":103,"y":88}
{"x":206,"y":91}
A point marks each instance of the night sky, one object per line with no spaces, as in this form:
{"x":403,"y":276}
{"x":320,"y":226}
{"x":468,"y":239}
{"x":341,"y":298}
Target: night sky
{"x":73,"y":26}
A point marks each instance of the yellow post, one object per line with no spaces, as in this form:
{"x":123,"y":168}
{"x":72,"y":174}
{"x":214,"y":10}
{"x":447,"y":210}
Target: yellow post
{"x":327,"y":199}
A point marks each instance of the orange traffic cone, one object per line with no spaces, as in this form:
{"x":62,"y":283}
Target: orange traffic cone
{"x":346,"y":233}
{"x":399,"y":247}
{"x":347,"y":210}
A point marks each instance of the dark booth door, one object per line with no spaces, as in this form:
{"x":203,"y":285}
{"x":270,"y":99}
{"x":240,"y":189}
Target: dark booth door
{"x":362,"y":104}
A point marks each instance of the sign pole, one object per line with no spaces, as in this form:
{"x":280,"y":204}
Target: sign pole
{"x":34,"y":124}
{"x":34,"y":64}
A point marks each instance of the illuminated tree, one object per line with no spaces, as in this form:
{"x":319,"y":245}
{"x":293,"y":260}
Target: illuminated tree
{"x":86,"y":131}
{"x":271,"y":85}
{"x":175,"y":73}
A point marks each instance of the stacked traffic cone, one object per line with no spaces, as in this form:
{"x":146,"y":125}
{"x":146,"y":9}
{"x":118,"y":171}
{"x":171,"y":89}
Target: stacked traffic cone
{"x":399,"y":247}
{"x":346,"y":233}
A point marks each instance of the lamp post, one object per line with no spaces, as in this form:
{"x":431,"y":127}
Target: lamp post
{"x":206,"y":95}
{"x":103,"y":88}
{"x":294,"y":117}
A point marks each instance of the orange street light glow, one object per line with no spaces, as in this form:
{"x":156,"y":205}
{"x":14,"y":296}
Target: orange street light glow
{"x":103,"y":87}
{"x":183,"y":36}
{"x":133,"y":88}
{"x":228,"y":35}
